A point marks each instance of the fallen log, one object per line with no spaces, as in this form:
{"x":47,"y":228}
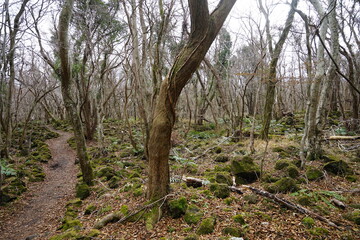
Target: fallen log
{"x":343,"y":137}
{"x":290,"y":205}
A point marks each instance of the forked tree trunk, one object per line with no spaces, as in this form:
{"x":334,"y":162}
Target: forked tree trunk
{"x":66,"y":79}
{"x":204,"y":28}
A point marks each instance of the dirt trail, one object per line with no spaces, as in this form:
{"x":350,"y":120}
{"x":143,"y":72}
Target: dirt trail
{"x":38,"y":213}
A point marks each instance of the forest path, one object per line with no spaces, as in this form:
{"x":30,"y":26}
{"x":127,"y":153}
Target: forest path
{"x":38,"y":213}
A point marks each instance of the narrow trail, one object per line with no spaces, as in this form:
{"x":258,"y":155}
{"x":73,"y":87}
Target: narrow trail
{"x":38,"y":213}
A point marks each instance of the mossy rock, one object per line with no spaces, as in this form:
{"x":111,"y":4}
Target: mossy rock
{"x":193,"y":214}
{"x":337,"y":167}
{"x":329,"y":158}
{"x":82,"y":191}
{"x":192,"y":237}
{"x":245,"y":170}
{"x":71,"y":213}
{"x":75,"y":202}
{"x":90,"y":209}
{"x":93,"y":233}
{"x":138,"y":192}
{"x":292,"y":171}
{"x":270,"y":178}
{"x":66,"y":236}
{"x":308,"y":222}
{"x":318,"y":231}
{"x":71,"y":223}
{"x":251,"y":198}
{"x":353,"y":216}
{"x":206,"y":226}
{"x":177,"y":207}
{"x":305,"y":200}
{"x":313,"y":174}
{"x":114,"y":182}
{"x":107,"y":172}
{"x":223,"y":178}
{"x":281,"y":164}
{"x":232,"y":231}
{"x":239,"y":219}
{"x":220,"y":190}
{"x":217,"y":150}
{"x":222,"y":158}
{"x":284,"y":185}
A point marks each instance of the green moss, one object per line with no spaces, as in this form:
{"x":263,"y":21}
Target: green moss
{"x":193,"y":214}
{"x":351,"y":178}
{"x":318,"y":231}
{"x":71,"y":223}
{"x":105,"y":209}
{"x":221,"y":190}
{"x":70,"y":213}
{"x":270,"y":178}
{"x":228,"y":201}
{"x":239,"y":219}
{"x":75,"y":202}
{"x":284,"y":185}
{"x":93,"y":233}
{"x":177,"y":207}
{"x":338,"y":167}
{"x":69,"y":235}
{"x":281,"y":164}
{"x":308,"y":222}
{"x":124,"y":209}
{"x":82,"y":190}
{"x":251,"y":198}
{"x":114,"y":182}
{"x":217,"y":150}
{"x":138,"y":192}
{"x":292,"y":171}
{"x":305,"y":200}
{"x":353,"y":216}
{"x":235,"y":232}
{"x":245,"y":170}
{"x":90,"y":209}
{"x":192,"y":237}
{"x":314,"y":174}
{"x":206,"y":226}
{"x":223,"y":178}
{"x":107,"y":172}
{"x":222,"y":158}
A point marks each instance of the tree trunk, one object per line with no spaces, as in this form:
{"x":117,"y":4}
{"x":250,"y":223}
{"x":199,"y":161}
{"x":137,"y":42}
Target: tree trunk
{"x":271,"y":83}
{"x":66,"y":81}
{"x":204,"y":28}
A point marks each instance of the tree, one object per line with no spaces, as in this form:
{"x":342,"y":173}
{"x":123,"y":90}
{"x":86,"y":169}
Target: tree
{"x":275,"y":54}
{"x":66,"y":83}
{"x":204,"y":29}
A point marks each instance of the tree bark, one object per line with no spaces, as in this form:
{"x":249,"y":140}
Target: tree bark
{"x":66,"y":82}
{"x":204,"y":28}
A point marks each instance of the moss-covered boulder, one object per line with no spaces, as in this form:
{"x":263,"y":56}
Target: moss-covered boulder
{"x":222,"y":158}
{"x":220,"y":190}
{"x":193,"y":215}
{"x":305,"y":200}
{"x":313,"y":174}
{"x":223,"y":177}
{"x":292,"y":171}
{"x":192,"y":237}
{"x":73,"y":234}
{"x":177,"y":207}
{"x":71,"y":223}
{"x":353,"y":216}
{"x":337,"y":167}
{"x":232,"y":231}
{"x":245,"y":170}
{"x":251,"y":198}
{"x":106,"y":172}
{"x":89,"y":209}
{"x":82,"y":190}
{"x":284,"y":185}
{"x":281,"y":164}
{"x":206,"y":226}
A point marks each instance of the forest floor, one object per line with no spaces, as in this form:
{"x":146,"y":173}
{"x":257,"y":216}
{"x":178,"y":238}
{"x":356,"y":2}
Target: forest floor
{"x":39,"y":211}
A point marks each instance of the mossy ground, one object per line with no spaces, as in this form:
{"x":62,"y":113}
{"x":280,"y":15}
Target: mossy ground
{"x":124,"y":184}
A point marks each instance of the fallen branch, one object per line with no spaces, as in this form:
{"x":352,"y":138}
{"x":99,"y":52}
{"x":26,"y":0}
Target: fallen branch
{"x":344,"y":137}
{"x":290,"y":205}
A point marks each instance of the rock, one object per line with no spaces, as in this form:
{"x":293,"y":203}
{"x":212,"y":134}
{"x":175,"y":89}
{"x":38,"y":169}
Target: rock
{"x":284,"y":185}
{"x":89,"y":209}
{"x":220,"y":190}
{"x":206,"y":226}
{"x":177,"y":207}
{"x":75,"y":202}
{"x":235,"y":232}
{"x":305,"y":200}
{"x":245,"y":170}
{"x":71,"y":223}
{"x":193,"y":215}
{"x":114,"y":182}
{"x":223,"y":178}
{"x":313,"y":174}
{"x":337,"y":167}
{"x":107,"y":172}
{"x":251,"y":198}
{"x":82,"y":190}
{"x":281,"y":164}
{"x":292,"y":171}
{"x":222,"y":158}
